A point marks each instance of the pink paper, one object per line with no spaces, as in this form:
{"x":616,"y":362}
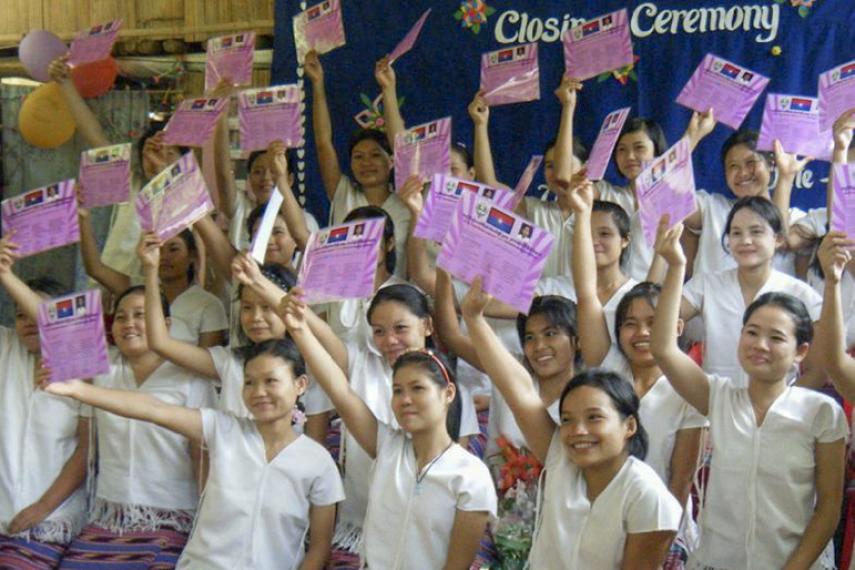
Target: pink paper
{"x":105,"y":175}
{"x":601,"y":152}
{"x":319,"y":28}
{"x":43,"y":218}
{"x":424,"y":150}
{"x":599,"y":45}
{"x":728,"y":88}
{"x":506,"y":250}
{"x":836,"y":94}
{"x":340,"y":261}
{"x":174,"y":199}
{"x":525,"y":180}
{"x":409,"y":40}
{"x":843,"y":204}
{"x":270,"y":114}
{"x":441,"y":202}
{"x":231,"y":57}
{"x":794,"y":120}
{"x":666,"y":186}
{"x":94,"y":44}
{"x":194,"y":121}
{"x":72,"y":335}
{"x":510,"y":75}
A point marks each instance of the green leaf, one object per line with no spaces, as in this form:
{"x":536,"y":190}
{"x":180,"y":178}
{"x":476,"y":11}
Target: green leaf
{"x":401,"y":101}
{"x":633,"y":76}
{"x":804,"y":11}
{"x":458,"y":15}
{"x":489,"y":11}
{"x":476,"y":28}
{"x":366,"y":101}
{"x":602,"y":77}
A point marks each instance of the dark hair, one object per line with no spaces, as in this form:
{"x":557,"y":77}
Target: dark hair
{"x":290,"y":156}
{"x":190,"y":241}
{"x":281,"y":276}
{"x":645,"y":290}
{"x":440,"y":372}
{"x":154,"y":128}
{"x":140,"y":289}
{"x":650,"y":128}
{"x":47,"y":285}
{"x":623,"y":397}
{"x":255,"y":216}
{"x":464,"y":154}
{"x":579,"y":149}
{"x":369,"y":134}
{"x":559,"y":311}
{"x":791,"y":305}
{"x":368,"y":212}
{"x":405,"y":294}
{"x":745,"y":137}
{"x":620,"y":219}
{"x":761,"y":206}
{"x":283,"y":348}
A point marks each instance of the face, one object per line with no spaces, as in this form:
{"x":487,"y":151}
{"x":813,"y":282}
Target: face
{"x":592,"y":430}
{"x":281,"y":247}
{"x":751,"y":240}
{"x":417,"y":401}
{"x":608,"y":243}
{"x":175,"y":259}
{"x":258,"y":319}
{"x":635,"y":332}
{"x":459,"y":168}
{"x":129,"y":325}
{"x":767,"y":345}
{"x":270,"y":389}
{"x":746,"y":172}
{"x":549,"y":350}
{"x":633,"y":151}
{"x":261,"y":180}
{"x":167,"y":155}
{"x":396,"y":330}
{"x":370,"y":164}
{"x":27,"y":329}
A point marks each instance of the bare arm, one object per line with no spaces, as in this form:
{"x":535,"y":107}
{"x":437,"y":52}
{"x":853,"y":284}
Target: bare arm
{"x":114,"y":281}
{"x":789,"y":166}
{"x":646,"y":550}
{"x":217,"y":243}
{"x":88,"y":125}
{"x":223,"y":172}
{"x":290,"y":210}
{"x":419,"y":268}
{"x":684,"y":460}
{"x":25,"y":298}
{"x":447,"y":325}
{"x":479,"y":111}
{"x":700,"y":125}
{"x":322,"y":125}
{"x":842,"y":131}
{"x":321,"y":527}
{"x":566,"y":94}
{"x":385,"y":75}
{"x":466,"y":533}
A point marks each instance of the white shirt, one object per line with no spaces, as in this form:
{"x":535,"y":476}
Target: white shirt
{"x":574,"y":533}
{"x":501,"y":422}
{"x":640,"y":255}
{"x":762,"y":485}
{"x":264,"y":506}
{"x":239,"y":235}
{"x":196,"y":311}
{"x":120,"y":247}
{"x":719,"y":299}
{"x":409,"y":523}
{"x":348,"y":319}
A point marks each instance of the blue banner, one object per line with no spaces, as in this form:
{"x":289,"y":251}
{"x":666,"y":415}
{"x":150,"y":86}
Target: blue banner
{"x":791,"y":41}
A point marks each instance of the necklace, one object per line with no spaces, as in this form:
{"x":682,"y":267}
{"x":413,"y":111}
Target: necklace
{"x":424,"y":472}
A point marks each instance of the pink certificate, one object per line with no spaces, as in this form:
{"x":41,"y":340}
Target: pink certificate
{"x":510,"y":75}
{"x":94,"y":44}
{"x":73,"y":341}
{"x":318,"y":28}
{"x":229,"y":57}
{"x":666,"y":186}
{"x":409,"y":40}
{"x":43,"y":218}
{"x":599,"y":45}
{"x":105,"y":175}
{"x":525,"y":180}
{"x":270,"y":114}
{"x":843,"y":205}
{"x":836,"y":94}
{"x":424,"y":150}
{"x":794,"y":120}
{"x":340,"y":261}
{"x":174,"y":199}
{"x":728,"y":88}
{"x":441,"y":202}
{"x":194,"y":121}
{"x":506,"y":250}
{"x":601,"y":153}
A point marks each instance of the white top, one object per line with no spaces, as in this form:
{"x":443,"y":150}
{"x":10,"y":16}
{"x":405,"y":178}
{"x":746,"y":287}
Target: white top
{"x":196,"y":311}
{"x":140,"y":463}
{"x":501,"y":422}
{"x":761,"y":490}
{"x":239,"y":235}
{"x":348,"y":197}
{"x":120,"y":247}
{"x":38,"y":434}
{"x":640,"y":255}
{"x":348,"y":319}
{"x":719,"y":299}
{"x":264,"y":505}
{"x":574,"y":533}
{"x":409,"y":523}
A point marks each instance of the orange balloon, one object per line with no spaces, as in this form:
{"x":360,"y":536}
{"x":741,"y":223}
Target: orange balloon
{"x":44,"y":119}
{"x":95,"y":78}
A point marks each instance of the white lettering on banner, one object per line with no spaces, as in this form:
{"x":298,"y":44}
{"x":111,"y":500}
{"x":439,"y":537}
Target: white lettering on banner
{"x":513,"y":26}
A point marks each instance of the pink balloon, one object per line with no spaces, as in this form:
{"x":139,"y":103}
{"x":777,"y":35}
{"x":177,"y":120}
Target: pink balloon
{"x":37,"y":50}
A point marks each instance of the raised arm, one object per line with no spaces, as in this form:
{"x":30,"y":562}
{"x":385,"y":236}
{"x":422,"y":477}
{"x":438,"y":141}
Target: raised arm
{"x":788,"y":165}
{"x":419,"y":268}
{"x":216,"y":242}
{"x":842,"y":132}
{"x":88,"y":125}
{"x":466,"y":534}
{"x":479,"y":112}
{"x":385,"y":76}
{"x":114,"y":281}
{"x":25,"y":298}
{"x":291,"y":210}
{"x":566,"y":93}
{"x":447,"y":325}
{"x":322,"y":125}
{"x":700,"y":125}
{"x":223,"y":171}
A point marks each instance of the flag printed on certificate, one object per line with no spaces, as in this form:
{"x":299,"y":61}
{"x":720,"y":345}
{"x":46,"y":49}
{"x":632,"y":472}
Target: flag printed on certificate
{"x":799,"y":104}
{"x":337,"y":235}
{"x":500,"y":220}
{"x":64,"y":309}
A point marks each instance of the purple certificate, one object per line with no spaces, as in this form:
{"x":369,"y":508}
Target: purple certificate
{"x":506,"y":250}
{"x":510,"y":75}
{"x":270,"y":114}
{"x":666,"y":186}
{"x":424,"y":150}
{"x":794,"y":120}
{"x":105,"y":175}
{"x":43,"y":218}
{"x":174,"y":199}
{"x":441,"y":202}
{"x":94,"y":44}
{"x":728,"y":88}
{"x":599,"y":45}
{"x":409,"y":40}
{"x":340,"y":261}
{"x":319,"y":28}
{"x":836,"y":94}
{"x":525,"y":180}
{"x":601,"y":153}
{"x":843,"y":204}
{"x":194,"y":121}
{"x":71,"y":330}
{"x":229,"y":57}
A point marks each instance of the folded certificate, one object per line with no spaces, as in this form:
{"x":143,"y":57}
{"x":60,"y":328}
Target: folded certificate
{"x":43,"y":218}
{"x":599,"y":45}
{"x":794,"y":120}
{"x":105,"y":175}
{"x":843,"y":206}
{"x":423,"y":150}
{"x":270,"y":114}
{"x":601,"y":152}
{"x":194,"y":121}
{"x":510,"y":75}
{"x":319,"y":28}
{"x":94,"y":44}
{"x":836,"y":93}
{"x":667,"y":186}
{"x":229,"y":57}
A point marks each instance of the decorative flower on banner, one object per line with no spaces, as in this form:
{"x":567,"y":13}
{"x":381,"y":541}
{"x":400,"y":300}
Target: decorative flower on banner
{"x":623,"y":75}
{"x":372,"y":116}
{"x":473,"y":13}
{"x":804,"y":6}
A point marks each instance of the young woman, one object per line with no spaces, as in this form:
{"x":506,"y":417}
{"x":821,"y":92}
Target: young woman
{"x":274,"y":489}
{"x":835,"y":255}
{"x":775,"y":485}
{"x":601,"y":507}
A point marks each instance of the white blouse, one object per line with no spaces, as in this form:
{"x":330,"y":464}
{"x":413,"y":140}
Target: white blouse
{"x":196,"y":311}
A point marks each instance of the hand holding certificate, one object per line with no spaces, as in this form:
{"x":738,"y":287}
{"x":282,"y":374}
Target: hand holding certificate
{"x":105,"y":175}
{"x":510,"y":75}
{"x":599,"y":45}
{"x":843,"y":204}
{"x":194,"y":121}
{"x":43,"y":218}
{"x":667,"y":186}
{"x":525,"y":180}
{"x":258,"y":250}
{"x":423,"y":150}
{"x":319,"y":28}
{"x":270,"y":114}
{"x":229,"y":57}
{"x":601,"y":152}
{"x":794,"y":120}
{"x":94,"y":44}
{"x":836,"y":93}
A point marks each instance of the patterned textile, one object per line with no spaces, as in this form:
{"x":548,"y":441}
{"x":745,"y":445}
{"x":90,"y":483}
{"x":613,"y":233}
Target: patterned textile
{"x":21,"y":554}
{"x":99,"y":549}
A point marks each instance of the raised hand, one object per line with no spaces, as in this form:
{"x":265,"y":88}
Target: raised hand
{"x":834,"y":253}
{"x":581,"y":195}
{"x":475,"y":301}
{"x":245,"y":270}
{"x":479,"y":110}
{"x":153,"y":155}
{"x":277,"y":159}
{"x":292,"y":309}
{"x":567,"y":90}
{"x":700,"y":125}
{"x":788,"y":164}
{"x":668,"y":242}
{"x":8,"y":252}
{"x":59,"y":69}
{"x":148,"y":250}
{"x":411,"y":195}
{"x":313,"y":68}
{"x":842,"y":130}
{"x":384,"y":74}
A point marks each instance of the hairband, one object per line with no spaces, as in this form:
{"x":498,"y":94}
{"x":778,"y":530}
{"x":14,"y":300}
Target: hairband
{"x":439,"y":363}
